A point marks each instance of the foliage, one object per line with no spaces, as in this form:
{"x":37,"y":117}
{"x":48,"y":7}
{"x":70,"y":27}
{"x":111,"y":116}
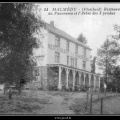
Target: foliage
{"x":82,"y":39}
{"x":107,"y":55}
{"x":93,"y":65}
{"x":84,"y":88}
{"x":115,"y":77}
{"x":17,"y":26}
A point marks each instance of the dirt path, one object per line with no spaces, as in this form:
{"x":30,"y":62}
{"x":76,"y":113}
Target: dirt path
{"x":56,"y":106}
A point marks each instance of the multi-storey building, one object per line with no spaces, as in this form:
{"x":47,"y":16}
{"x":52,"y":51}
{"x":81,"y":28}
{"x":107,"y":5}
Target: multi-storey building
{"x":66,"y":62}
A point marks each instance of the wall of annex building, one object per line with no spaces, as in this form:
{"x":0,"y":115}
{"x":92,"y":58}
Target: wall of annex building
{"x":63,"y":55}
{"x":40,"y":54}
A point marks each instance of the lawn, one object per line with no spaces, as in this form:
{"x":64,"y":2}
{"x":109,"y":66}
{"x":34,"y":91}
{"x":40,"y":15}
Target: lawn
{"x":21,"y":104}
{"x":110,"y":104}
{"x":57,"y":102}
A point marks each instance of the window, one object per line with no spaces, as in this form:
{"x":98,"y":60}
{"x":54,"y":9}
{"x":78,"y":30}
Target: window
{"x":57,"y":41}
{"x":84,"y":65}
{"x":36,"y":72}
{"x":75,"y":62}
{"x":84,"y":52}
{"x":67,"y":45}
{"x":72,"y":62}
{"x":67,"y":60}
{"x":57,"y":57}
{"x":76,"y":49}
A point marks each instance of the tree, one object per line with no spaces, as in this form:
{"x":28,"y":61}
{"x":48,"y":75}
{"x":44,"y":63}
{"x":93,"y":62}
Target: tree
{"x":107,"y":56}
{"x":115,"y":78}
{"x":93,"y":65}
{"x":17,"y":27}
{"x":82,"y":39}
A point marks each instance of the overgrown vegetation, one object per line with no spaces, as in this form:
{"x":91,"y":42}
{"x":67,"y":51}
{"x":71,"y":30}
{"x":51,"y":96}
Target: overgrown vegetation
{"x":17,"y":27}
{"x":21,"y":104}
{"x":107,"y":59}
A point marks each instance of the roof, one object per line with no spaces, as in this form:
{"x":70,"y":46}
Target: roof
{"x":65,"y":35}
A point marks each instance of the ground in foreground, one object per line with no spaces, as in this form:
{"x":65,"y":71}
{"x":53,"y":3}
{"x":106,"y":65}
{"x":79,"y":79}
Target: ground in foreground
{"x":55,"y":102}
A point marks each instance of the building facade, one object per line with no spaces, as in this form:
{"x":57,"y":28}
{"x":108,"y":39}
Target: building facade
{"x":66,"y":61}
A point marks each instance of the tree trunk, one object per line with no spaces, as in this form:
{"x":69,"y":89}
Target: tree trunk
{"x":10,"y":94}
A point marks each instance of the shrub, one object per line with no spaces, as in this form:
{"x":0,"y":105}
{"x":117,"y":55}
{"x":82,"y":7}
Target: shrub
{"x":84,"y":88}
{"x":52,"y":88}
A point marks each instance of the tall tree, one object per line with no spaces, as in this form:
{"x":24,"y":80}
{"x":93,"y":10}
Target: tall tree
{"x":107,"y":56}
{"x":115,"y":78}
{"x":93,"y":65}
{"x":17,"y":26}
{"x":82,"y":39}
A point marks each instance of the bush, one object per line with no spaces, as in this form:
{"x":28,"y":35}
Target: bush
{"x":84,"y":88}
{"x":77,"y":88}
{"x":52,"y":88}
{"x":40,"y":88}
{"x":64,"y":88}
{"x":70,"y":88}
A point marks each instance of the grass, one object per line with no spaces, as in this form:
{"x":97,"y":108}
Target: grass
{"x":110,"y":106}
{"x":79,"y":105}
{"x":58,"y":93}
{"x":21,"y":104}
{"x":31,"y":102}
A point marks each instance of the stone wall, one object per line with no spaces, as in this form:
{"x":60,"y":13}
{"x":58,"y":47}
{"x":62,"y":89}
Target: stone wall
{"x":40,"y":79}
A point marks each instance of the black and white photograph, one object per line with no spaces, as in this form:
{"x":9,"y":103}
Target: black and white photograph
{"x":60,"y":58}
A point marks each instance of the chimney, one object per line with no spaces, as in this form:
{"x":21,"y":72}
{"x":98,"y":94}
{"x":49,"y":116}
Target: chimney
{"x":52,"y":23}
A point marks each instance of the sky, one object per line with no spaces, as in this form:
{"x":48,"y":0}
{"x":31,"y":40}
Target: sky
{"x":95,"y":28}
